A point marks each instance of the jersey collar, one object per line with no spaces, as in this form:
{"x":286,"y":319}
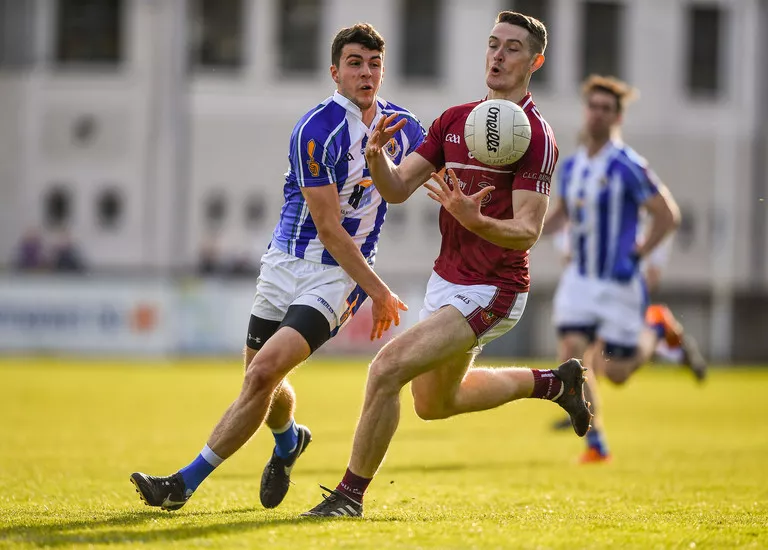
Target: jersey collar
{"x":608,"y":149}
{"x":351,"y":107}
{"x":525,"y":103}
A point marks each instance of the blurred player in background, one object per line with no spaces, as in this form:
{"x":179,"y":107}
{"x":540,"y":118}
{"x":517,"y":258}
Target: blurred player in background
{"x":317,"y":271}
{"x":490,"y":218}
{"x":683,"y":348}
{"x":600,"y":303}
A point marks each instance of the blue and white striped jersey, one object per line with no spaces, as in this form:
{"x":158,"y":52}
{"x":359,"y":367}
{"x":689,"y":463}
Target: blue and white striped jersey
{"x":327,"y":148}
{"x":603,"y":196}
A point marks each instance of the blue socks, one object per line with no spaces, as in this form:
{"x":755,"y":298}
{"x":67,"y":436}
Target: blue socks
{"x":596,"y":441}
{"x":286,"y":439}
{"x":200,"y":468}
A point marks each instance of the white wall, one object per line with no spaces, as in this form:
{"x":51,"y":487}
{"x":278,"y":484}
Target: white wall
{"x":170,"y":144}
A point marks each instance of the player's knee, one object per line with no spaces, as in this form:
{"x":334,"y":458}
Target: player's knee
{"x":383,"y":374}
{"x":617,"y":373}
{"x":261,"y":378}
{"x":619,"y":362}
{"x":428,"y":409}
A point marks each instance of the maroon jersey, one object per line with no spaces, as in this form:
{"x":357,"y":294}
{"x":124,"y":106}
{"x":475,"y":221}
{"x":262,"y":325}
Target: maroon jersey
{"x":466,"y":258}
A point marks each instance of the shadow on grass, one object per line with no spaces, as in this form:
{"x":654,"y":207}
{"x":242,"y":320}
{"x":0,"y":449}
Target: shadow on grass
{"x":424,"y":468}
{"x":136,"y":527}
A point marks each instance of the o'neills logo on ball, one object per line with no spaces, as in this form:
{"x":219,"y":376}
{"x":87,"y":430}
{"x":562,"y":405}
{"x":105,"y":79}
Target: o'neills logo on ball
{"x":492,"y":137}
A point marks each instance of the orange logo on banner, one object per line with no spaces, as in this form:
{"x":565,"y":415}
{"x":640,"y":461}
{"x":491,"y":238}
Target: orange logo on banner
{"x":144,"y":318}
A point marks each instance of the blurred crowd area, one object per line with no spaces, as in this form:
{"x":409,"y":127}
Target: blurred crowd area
{"x":48,"y":252}
{"x":41,"y":251}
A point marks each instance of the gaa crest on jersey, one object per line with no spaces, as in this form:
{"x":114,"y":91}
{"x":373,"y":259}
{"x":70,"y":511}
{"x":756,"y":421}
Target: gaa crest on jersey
{"x":314,"y":167}
{"x":392,"y":148}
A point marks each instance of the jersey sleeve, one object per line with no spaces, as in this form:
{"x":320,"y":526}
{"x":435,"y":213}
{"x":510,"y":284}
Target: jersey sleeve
{"x":414,"y":133}
{"x":432,"y":146}
{"x":643,"y":183}
{"x":535,"y":169}
{"x":312,"y":157}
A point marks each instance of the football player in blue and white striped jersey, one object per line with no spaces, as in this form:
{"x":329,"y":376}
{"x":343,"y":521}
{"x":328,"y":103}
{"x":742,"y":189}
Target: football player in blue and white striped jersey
{"x":317,"y":271}
{"x":600,"y":303}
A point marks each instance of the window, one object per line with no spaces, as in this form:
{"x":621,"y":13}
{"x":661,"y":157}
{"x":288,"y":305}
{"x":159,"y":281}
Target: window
{"x":422,"y":35}
{"x":300,"y":22}
{"x":216,"y":33}
{"x":17,"y":37}
{"x":57,"y":207}
{"x":89,"y":31}
{"x":705,"y":39}
{"x":541,"y":10}
{"x":602,"y":28}
{"x":109,"y":209}
{"x":215,"y":210}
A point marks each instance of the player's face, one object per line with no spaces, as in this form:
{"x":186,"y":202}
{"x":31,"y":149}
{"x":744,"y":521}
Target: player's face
{"x":359,"y":74}
{"x":602,"y":114}
{"x":508,"y":59}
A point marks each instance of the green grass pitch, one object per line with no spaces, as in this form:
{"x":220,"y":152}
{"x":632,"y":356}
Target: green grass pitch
{"x":689,"y":468}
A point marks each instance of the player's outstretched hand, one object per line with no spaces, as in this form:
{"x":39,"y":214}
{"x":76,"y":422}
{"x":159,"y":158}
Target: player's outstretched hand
{"x":465,"y":208}
{"x":382,"y":133}
{"x":386,"y":311}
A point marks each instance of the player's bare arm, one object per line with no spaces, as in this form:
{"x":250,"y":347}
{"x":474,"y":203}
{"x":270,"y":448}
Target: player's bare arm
{"x":519,"y":233}
{"x":557,"y":219}
{"x":323,"y":205}
{"x":394,"y":183}
{"x":665,"y":217}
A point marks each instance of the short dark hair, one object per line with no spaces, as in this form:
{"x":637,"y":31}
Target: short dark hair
{"x":361,"y":33}
{"x":623,"y":92}
{"x":537,"y":30}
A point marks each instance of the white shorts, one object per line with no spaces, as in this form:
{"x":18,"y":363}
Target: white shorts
{"x":614,"y":310}
{"x":490,"y":311}
{"x":286,"y":280}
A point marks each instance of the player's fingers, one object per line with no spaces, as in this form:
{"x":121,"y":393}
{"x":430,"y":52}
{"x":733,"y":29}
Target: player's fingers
{"x":454,"y":180}
{"x":436,"y":177}
{"x":382,"y":123}
{"x":434,"y":197}
{"x":443,"y":185}
{"x":402,"y":305}
{"x":392,"y":130}
{"x":480,"y":195}
{"x":372,"y":146}
{"x":434,"y":188}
